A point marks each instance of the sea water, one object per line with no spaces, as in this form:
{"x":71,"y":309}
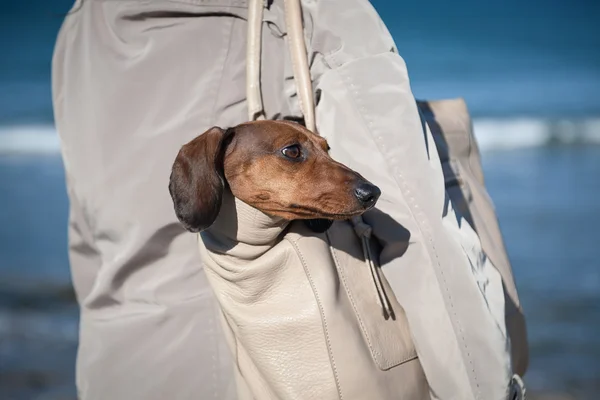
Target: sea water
{"x":530,"y":73}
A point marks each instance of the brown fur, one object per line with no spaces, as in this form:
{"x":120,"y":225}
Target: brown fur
{"x":249,"y":159}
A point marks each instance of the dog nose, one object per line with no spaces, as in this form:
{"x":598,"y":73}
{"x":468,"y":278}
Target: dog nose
{"x":367,"y":194}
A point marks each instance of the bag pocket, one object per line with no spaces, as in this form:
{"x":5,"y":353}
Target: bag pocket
{"x":389,"y":340}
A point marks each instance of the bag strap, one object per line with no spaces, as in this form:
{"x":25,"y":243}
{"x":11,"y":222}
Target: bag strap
{"x":298,"y":55}
{"x":253,"y":50}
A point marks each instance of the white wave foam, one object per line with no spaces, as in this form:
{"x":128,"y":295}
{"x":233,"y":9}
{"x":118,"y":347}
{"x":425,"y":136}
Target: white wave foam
{"x":24,"y":324}
{"x":492,"y":134}
{"x":29,"y":139}
{"x":506,"y":134}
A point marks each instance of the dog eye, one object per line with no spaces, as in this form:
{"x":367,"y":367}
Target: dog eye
{"x":292,"y":151}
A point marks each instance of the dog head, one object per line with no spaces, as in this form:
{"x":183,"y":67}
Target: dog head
{"x":278,"y":167}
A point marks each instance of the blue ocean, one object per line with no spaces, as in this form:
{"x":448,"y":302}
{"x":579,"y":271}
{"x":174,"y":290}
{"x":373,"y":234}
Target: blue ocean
{"x":530,"y":73}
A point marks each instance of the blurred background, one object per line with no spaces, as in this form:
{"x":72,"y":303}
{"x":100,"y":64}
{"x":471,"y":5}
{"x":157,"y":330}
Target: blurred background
{"x":530,"y":73}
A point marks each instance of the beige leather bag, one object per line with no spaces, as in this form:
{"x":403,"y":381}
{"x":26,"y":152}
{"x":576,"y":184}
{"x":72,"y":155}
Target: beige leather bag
{"x":307,"y":315}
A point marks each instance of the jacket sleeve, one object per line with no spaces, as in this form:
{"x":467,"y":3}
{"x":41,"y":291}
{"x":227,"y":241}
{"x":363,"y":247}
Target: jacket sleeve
{"x":451,"y":293}
{"x":452,"y":131}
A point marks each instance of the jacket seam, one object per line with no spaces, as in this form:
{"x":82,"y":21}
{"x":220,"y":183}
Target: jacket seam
{"x":413,"y":207}
{"x":221,"y":62}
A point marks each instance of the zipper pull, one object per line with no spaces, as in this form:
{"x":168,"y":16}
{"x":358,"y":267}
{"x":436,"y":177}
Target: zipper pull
{"x":364,"y":231}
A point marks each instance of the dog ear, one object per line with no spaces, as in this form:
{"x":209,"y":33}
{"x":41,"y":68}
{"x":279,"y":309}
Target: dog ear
{"x":197,"y":179}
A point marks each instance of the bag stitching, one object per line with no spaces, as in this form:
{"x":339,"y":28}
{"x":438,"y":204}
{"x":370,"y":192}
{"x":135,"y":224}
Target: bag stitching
{"x":384,"y":365}
{"x":322,"y":313}
{"x":351,"y":298}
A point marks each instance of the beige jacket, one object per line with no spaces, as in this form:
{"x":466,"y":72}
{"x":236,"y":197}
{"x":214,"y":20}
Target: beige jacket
{"x":268,"y":310}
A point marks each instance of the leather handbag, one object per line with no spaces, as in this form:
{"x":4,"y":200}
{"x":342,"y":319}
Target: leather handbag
{"x":307,"y":315}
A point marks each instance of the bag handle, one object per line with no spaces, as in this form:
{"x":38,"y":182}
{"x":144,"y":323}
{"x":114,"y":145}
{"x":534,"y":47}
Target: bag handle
{"x":298,"y":54}
{"x":253,"y":50}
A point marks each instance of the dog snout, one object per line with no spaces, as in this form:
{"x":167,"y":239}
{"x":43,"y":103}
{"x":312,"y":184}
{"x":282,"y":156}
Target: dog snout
{"x":367,"y":194}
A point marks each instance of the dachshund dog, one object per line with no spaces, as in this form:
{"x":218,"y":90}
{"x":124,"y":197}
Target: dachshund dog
{"x":278,"y":167}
